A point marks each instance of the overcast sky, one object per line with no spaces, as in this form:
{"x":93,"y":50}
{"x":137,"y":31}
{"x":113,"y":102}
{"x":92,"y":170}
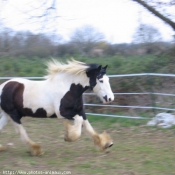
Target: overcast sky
{"x":116,"y":19}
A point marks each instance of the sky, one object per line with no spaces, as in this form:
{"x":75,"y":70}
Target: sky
{"x":116,"y":19}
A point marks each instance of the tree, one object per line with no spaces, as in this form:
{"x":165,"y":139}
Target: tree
{"x":5,"y":41}
{"x":146,"y":34}
{"x":43,"y":13}
{"x":86,"y":38}
{"x":160,"y":9}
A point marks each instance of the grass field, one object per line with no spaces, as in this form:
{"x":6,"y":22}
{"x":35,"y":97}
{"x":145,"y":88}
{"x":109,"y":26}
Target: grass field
{"x":117,"y":64}
{"x":137,"y":150}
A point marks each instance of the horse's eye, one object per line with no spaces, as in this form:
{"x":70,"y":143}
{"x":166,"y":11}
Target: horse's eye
{"x":101,"y":81}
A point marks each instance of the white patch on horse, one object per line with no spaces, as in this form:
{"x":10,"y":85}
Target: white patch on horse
{"x":103,"y":89}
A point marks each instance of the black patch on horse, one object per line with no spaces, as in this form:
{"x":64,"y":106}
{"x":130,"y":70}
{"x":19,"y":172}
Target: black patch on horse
{"x":40,"y":112}
{"x":92,"y":72}
{"x":72,"y":102}
{"x":53,"y":116}
{"x":12,"y":103}
{"x":102,"y":72}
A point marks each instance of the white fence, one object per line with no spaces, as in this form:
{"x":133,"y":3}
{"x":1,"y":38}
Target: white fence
{"x":122,"y":106}
{"x":135,"y":93}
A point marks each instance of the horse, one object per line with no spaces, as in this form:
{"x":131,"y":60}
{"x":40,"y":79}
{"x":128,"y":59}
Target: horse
{"x":59,"y":94}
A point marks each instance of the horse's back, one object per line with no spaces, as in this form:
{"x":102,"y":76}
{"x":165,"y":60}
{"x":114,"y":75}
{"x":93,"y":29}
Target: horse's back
{"x":17,"y":80}
{"x":28,"y":97}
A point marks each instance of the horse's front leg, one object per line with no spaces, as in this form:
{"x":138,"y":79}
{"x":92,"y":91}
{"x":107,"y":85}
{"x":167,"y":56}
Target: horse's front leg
{"x":73,"y":132}
{"x":102,"y":141}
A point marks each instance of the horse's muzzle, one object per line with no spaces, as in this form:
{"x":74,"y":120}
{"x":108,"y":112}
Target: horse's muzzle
{"x":107,"y":99}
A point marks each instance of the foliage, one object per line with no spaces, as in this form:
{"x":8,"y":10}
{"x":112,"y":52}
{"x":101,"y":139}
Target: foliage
{"x":146,"y":34}
{"x":117,"y":64}
{"x":85,"y":41}
{"x":86,"y":38}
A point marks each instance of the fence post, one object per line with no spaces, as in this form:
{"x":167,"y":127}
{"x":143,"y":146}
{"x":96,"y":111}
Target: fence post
{"x":150,"y":82}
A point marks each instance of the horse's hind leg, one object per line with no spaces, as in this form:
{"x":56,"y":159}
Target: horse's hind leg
{"x":3,"y":122}
{"x":73,"y":132}
{"x":35,"y":148}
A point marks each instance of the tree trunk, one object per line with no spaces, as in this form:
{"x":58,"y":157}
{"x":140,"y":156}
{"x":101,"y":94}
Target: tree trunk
{"x":156,"y":13}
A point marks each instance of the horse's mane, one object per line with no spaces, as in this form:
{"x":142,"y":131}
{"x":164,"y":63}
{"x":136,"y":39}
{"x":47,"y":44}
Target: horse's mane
{"x":72,"y":67}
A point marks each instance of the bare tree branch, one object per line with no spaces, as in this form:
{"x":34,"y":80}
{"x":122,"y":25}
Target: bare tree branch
{"x":156,"y":13}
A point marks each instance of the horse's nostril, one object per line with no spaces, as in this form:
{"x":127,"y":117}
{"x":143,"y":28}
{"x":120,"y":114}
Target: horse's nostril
{"x":105,"y":97}
{"x":110,"y":145}
{"x":109,"y":99}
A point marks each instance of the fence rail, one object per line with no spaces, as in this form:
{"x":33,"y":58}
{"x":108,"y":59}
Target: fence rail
{"x":111,"y":76}
{"x":120,"y":106}
{"x":142,"y":74}
{"x":138,"y":93}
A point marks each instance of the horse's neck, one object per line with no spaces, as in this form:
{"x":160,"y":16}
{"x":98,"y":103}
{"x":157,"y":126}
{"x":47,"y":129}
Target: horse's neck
{"x":66,"y":80}
{"x":80,"y":79}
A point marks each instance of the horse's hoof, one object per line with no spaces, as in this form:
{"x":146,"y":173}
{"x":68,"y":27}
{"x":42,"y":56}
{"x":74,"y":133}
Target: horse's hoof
{"x":69,"y":139}
{"x":36,"y":150}
{"x":103,"y":141}
{"x":2,"y":148}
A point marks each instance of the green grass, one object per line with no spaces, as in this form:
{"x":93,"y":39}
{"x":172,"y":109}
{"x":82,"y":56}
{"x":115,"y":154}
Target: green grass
{"x":137,"y":149}
{"x":113,"y":122}
{"x":34,"y":66}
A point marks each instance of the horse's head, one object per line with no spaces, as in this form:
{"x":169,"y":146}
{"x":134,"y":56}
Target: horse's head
{"x":99,"y":83}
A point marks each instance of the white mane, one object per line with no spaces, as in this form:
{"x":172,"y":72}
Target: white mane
{"x":71,"y":67}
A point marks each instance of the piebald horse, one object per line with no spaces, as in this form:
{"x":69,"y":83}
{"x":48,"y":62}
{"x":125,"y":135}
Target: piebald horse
{"x":58,"y":95}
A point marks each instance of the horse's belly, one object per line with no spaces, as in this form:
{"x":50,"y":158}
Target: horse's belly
{"x":40,"y":111}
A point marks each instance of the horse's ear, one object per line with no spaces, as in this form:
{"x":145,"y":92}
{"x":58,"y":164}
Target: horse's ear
{"x":99,"y":68}
{"x":105,"y":67}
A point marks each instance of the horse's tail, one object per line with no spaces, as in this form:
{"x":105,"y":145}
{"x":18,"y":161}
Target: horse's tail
{"x":1,"y":87}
